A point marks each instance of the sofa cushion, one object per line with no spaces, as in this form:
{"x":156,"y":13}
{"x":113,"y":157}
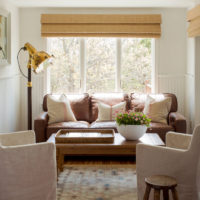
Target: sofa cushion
{"x":79,"y":103}
{"x":159,"y":128}
{"x":104,"y":125}
{"x":53,"y":128}
{"x":107,"y":98}
{"x":138,"y":101}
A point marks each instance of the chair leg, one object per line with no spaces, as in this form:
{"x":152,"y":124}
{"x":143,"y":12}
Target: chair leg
{"x":147,"y":192}
{"x":156,"y":194}
{"x":165,"y":194}
{"x":174,"y":194}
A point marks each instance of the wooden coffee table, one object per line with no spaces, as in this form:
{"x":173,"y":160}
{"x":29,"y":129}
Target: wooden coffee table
{"x":119,"y":147}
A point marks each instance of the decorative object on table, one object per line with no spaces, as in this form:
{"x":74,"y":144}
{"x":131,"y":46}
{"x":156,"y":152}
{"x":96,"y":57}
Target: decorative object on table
{"x":160,"y":183}
{"x":4,"y":37}
{"x":100,"y":182}
{"x":36,"y":58}
{"x":132,"y":125}
{"x":85,"y":136}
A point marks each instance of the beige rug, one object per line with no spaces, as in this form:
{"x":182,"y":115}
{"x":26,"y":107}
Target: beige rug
{"x":97,"y":182}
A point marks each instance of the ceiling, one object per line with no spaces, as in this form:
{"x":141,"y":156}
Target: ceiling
{"x":104,"y":3}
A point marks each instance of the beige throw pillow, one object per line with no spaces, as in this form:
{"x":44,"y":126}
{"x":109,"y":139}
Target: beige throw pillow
{"x":59,"y":110}
{"x":107,"y":112}
{"x":157,"y":110}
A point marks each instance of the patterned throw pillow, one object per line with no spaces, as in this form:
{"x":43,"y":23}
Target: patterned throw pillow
{"x":107,"y":112}
{"x":157,"y":110}
{"x":59,"y":110}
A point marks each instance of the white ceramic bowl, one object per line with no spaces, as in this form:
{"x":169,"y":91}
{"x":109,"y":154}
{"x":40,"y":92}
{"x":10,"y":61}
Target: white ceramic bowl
{"x":132,"y":132}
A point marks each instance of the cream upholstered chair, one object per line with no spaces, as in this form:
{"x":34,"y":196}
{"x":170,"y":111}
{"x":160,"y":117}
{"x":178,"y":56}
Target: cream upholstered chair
{"x":179,"y":159}
{"x":27,"y":170}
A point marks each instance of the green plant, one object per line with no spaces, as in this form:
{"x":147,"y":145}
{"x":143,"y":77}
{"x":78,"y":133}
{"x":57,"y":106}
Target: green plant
{"x":132,"y":118}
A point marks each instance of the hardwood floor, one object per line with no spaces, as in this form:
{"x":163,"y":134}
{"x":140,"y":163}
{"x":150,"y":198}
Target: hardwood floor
{"x":99,"y":160}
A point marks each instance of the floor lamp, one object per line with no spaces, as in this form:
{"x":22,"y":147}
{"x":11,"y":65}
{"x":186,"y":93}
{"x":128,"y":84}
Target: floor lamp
{"x":36,"y":58}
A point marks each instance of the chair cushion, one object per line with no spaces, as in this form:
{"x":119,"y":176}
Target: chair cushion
{"x":104,"y":125}
{"x":159,"y":128}
{"x":79,"y":103}
{"x":107,"y":98}
{"x":53,"y":128}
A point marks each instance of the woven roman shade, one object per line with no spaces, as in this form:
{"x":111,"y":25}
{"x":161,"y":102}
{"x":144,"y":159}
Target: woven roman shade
{"x":193,"y":17}
{"x":65,"y":25}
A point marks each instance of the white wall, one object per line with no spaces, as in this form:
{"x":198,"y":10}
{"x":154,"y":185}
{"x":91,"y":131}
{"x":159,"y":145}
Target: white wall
{"x":192,"y":99}
{"x":10,"y":78}
{"x":170,"y":49}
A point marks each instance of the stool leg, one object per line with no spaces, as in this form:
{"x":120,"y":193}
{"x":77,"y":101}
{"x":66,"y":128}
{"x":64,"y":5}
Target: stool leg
{"x":156,"y":194}
{"x":165,"y":194}
{"x":174,"y":194}
{"x":147,"y":192}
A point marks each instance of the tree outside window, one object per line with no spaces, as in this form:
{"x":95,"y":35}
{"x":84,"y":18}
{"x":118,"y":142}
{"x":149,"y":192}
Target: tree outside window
{"x":100,"y":65}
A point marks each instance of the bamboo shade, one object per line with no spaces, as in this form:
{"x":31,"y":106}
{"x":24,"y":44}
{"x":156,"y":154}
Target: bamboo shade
{"x":193,"y":17}
{"x":64,"y":25}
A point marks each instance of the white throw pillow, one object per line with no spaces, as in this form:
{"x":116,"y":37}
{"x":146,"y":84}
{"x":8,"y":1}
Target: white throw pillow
{"x":107,"y":112}
{"x":157,"y":110}
{"x":59,"y":110}
{"x":148,"y":101}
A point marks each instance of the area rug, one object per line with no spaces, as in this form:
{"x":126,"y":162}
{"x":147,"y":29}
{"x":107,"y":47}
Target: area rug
{"x":97,"y":182}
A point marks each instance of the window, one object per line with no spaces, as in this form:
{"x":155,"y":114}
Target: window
{"x":100,"y":65}
{"x":136,"y":64}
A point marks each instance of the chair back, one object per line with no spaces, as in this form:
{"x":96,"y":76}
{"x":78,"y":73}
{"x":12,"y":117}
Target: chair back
{"x":195,"y":142}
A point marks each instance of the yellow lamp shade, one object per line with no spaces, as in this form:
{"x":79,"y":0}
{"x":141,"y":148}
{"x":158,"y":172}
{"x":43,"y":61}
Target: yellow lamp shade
{"x":36,"y":57}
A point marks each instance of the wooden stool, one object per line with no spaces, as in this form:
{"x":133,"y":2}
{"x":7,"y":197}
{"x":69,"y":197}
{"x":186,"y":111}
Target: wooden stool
{"x":160,"y":182}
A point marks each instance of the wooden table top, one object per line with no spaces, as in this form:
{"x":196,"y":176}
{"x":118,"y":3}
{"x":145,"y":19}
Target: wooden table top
{"x":119,"y":141}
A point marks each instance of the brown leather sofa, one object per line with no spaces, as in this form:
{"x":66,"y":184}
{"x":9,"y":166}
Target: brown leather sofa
{"x":85,"y":110}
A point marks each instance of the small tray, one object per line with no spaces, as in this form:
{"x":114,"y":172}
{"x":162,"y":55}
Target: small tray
{"x":85,"y":136}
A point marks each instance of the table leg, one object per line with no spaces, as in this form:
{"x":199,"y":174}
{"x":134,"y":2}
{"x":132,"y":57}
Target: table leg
{"x":156,"y":194}
{"x":147,"y":192}
{"x":60,"y":160}
{"x":166,"y":194}
{"x":174,"y":194}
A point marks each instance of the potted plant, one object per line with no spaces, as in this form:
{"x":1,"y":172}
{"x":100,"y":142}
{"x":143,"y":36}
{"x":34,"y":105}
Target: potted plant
{"x":132,"y":125}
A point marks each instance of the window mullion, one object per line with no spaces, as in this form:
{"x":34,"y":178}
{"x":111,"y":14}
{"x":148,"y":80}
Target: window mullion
{"x":82,"y":66}
{"x":118,"y":65}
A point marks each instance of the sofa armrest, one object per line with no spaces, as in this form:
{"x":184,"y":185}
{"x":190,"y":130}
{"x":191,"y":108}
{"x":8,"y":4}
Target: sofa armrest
{"x":178,"y":121}
{"x":40,"y":124}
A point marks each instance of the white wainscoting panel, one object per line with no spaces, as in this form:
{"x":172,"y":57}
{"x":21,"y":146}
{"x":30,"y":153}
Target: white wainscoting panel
{"x":173,"y":84}
{"x":190,"y":102}
{"x":37,"y":98}
{"x":10,"y":103}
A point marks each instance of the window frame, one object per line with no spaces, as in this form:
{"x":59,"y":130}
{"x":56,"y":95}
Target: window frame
{"x":154,"y":79}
